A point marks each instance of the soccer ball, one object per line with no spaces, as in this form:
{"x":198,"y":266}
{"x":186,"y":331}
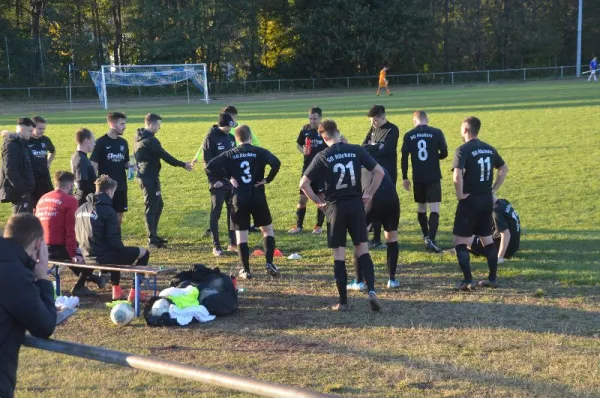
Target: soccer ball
{"x":121,"y":314}
{"x":160,"y":307}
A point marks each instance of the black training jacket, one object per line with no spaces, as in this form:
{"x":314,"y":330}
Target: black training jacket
{"x":16,"y":174}
{"x":148,"y":152}
{"x":25,"y":304}
{"x":216,"y":143}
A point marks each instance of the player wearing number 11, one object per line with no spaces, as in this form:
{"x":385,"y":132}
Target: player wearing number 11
{"x":473,"y":177}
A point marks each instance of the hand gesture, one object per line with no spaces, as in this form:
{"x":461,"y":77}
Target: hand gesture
{"x":406,"y":184}
{"x":41,"y":268}
{"x":234,"y":182}
{"x":188,"y":166}
{"x":462,"y":196}
{"x":366,"y":199}
{"x":193,"y":162}
{"x":306,"y":149}
{"x":261,"y":182}
{"x":217,"y":184}
{"x":322,"y":205}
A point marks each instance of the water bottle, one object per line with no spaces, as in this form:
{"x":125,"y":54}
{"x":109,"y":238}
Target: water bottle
{"x":131,"y":173}
{"x":308,"y":145}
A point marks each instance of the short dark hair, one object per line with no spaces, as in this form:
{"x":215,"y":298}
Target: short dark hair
{"x":62,"y":178}
{"x":421,"y":115}
{"x":114,"y":116}
{"x":474,"y":125}
{"x":315,"y":109}
{"x":328,"y":127}
{"x":243,"y":133}
{"x":82,"y":134}
{"x":39,"y":119}
{"x":25,"y":121}
{"x":104,"y":183}
{"x":152,"y":118}
{"x":232,"y":110}
{"x":24,"y":229}
{"x":376,"y":110}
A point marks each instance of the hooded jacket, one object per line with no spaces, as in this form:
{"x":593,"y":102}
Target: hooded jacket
{"x":97,"y":228}
{"x":216,"y":143}
{"x":148,"y":152}
{"x":16,"y":174}
{"x":25,"y":304}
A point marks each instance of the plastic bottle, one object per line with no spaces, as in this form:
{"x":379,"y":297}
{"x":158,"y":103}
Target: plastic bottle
{"x":308,"y":145}
{"x":131,"y":173}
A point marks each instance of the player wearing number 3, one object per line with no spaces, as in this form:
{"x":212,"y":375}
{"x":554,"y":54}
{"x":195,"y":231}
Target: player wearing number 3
{"x":426,"y":146}
{"x":473,"y":177}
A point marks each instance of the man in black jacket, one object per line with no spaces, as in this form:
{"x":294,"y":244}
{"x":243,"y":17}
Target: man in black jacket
{"x":17,"y":180}
{"x":217,"y":141}
{"x":148,"y":153}
{"x":27,"y":298}
{"x":42,"y":153}
{"x":99,"y":235}
{"x":81,"y":167}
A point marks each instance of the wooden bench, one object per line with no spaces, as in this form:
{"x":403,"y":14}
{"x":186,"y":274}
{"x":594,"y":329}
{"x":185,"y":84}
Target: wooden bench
{"x":143,"y":275}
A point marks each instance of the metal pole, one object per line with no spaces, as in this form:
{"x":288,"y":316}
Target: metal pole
{"x":104,"y":88}
{"x":348,"y":82}
{"x":452,"y":77}
{"x":279,"y":81}
{"x":579,"y":23}
{"x":8,"y":60}
{"x":417,"y":79}
{"x":70,"y":92}
{"x":42,"y":59}
{"x":187,"y":86}
{"x":313,"y":84}
{"x":488,"y":73}
{"x":207,"y":376}
{"x":205,"y":83}
{"x":524,"y":74}
{"x":561,"y":71}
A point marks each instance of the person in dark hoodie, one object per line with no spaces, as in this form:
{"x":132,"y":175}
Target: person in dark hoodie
{"x":27,"y":299}
{"x":148,"y":153}
{"x":99,"y":235}
{"x":17,"y":180}
{"x":42,"y":153}
{"x":217,"y":141}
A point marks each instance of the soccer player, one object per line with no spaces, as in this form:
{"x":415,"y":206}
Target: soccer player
{"x":593,"y":69}
{"x":217,"y":141}
{"x":56,"y":211}
{"x":42,"y":154}
{"x":310,"y":143}
{"x":81,"y":167}
{"x":473,"y":181}
{"x":383,"y":82}
{"x":111,"y":157}
{"x":340,"y":163}
{"x":232,"y":110}
{"x":382,"y":143}
{"x":245,"y":166}
{"x":385,"y":209}
{"x":148,"y":153}
{"x":99,"y":235}
{"x":17,"y":180}
{"x":506,"y":231}
{"x":426,"y":146}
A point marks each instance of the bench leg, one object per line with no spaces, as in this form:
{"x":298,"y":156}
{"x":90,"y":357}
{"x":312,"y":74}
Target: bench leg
{"x":55,"y":272}
{"x":155,"y":287}
{"x":137,"y":295}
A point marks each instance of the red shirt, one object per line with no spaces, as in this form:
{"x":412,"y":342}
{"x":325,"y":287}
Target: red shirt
{"x":56,"y":211}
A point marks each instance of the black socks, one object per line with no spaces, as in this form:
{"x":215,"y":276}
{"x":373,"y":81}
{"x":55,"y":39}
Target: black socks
{"x":392,"y":258}
{"x":434,"y":222}
{"x":464,"y":261}
{"x":368,"y":270}
{"x":341,"y":280}
{"x":320,"y":217}
{"x":491,"y":254}
{"x":269,"y":246}
{"x":300,"y":213}
{"x":244,"y":253}
{"x":422,"y":217}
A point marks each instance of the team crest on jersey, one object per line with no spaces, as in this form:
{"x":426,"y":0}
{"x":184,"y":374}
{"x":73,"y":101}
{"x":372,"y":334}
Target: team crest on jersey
{"x":122,"y":148}
{"x":43,"y":145}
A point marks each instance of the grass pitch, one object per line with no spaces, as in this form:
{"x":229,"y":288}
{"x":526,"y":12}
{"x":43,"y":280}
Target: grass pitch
{"x":538,"y":335}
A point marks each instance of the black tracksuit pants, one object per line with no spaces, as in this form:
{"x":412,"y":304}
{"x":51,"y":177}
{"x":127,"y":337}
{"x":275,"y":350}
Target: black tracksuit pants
{"x":218,"y":197}
{"x":154,"y":204}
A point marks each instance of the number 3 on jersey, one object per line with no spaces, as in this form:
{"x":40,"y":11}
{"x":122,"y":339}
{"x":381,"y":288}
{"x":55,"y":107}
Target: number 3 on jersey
{"x":342,"y":168}
{"x":422,"y":153}
{"x":486,"y":168}
{"x":245,"y":166}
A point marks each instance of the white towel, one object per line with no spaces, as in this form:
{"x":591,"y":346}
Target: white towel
{"x":185,"y":315}
{"x":63,"y":302}
{"x":176,"y":291}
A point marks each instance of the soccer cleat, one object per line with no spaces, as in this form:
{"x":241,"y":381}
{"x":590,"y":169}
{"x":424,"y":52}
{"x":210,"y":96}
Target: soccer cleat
{"x":358,"y":286}
{"x":143,"y":296}
{"x":117,"y":293}
{"x":232,"y":248}
{"x":272,"y":270}
{"x":487,"y":283}
{"x":340,"y":307}
{"x":253,"y":228}
{"x":432,"y":247}
{"x":163,"y":240}
{"x":243,"y":274}
{"x":207,"y":233}
{"x":466,"y":286}
{"x":374,"y":244}
{"x":157,"y":244}
{"x":373,"y":302}
{"x":317,"y":230}
{"x":82,"y":291}
{"x":295,"y":230}
{"x":393,"y":284}
{"x":217,"y":252}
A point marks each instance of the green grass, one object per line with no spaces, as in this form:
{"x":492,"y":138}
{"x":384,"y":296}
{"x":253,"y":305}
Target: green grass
{"x":536,"y":336}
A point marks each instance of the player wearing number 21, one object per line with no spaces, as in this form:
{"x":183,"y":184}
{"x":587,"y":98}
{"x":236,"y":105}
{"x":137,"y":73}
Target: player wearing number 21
{"x":344,"y":205}
{"x":473,"y":178}
{"x":426,"y":146}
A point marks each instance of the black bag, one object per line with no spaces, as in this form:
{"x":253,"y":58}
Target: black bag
{"x":162,"y":320}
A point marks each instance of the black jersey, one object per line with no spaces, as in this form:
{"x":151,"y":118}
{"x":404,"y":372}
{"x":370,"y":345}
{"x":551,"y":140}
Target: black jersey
{"x":426,"y":146}
{"x":340,"y":164}
{"x":317,"y":144}
{"x":85,"y":175}
{"x":112,"y":156}
{"x":387,"y":185}
{"x":382,"y":145}
{"x":477,"y":159}
{"x":39,"y":148}
{"x":506,"y":217}
{"x":246,"y":163}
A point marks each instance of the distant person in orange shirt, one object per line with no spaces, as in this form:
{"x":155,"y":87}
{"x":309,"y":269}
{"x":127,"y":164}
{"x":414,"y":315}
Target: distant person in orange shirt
{"x":383,"y":83}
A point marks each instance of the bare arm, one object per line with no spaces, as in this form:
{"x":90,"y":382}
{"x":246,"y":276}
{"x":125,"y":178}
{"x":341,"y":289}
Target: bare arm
{"x":378,"y":175}
{"x":502,"y":172}
{"x":457,"y":177}
{"x":504,"y":241}
{"x":308,"y":191}
{"x":95,"y":166}
{"x":300,"y":148}
{"x":51,"y":159}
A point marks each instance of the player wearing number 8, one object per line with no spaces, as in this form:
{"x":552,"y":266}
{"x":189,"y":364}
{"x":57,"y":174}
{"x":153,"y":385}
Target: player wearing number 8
{"x":473,"y":178}
{"x":426,"y":146}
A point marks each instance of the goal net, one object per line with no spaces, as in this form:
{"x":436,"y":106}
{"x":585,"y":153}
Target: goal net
{"x":149,"y":75}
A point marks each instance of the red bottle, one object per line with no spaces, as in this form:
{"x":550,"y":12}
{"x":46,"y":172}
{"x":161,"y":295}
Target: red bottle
{"x":308,"y":145}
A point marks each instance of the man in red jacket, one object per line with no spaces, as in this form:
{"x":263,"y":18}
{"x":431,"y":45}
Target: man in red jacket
{"x":56,"y":211}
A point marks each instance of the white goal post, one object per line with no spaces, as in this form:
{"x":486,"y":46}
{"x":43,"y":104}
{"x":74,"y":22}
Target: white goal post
{"x":149,"y":75}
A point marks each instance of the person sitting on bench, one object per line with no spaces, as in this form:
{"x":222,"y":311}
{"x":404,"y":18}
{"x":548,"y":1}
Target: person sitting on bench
{"x":56,"y":211}
{"x":99,"y":235}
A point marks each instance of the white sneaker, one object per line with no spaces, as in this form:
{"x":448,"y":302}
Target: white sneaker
{"x":356,"y":286}
{"x":393,"y":284}
{"x":217,"y":252}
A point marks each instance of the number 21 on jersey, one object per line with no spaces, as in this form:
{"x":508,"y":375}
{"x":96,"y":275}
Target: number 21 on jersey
{"x":338,"y":167}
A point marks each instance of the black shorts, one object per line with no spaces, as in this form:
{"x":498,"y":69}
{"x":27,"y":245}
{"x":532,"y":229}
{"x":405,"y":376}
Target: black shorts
{"x":385,"y":209}
{"x":125,"y":256}
{"x":120,"y":201}
{"x":240,"y":215}
{"x":427,"y":192}
{"x":343,"y":218}
{"x":474,"y":216}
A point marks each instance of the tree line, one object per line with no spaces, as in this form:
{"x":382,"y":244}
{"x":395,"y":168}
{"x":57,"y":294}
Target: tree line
{"x":250,"y":39}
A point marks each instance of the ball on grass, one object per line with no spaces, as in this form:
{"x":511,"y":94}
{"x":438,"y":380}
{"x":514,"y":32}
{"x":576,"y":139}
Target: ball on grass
{"x":122,"y":314}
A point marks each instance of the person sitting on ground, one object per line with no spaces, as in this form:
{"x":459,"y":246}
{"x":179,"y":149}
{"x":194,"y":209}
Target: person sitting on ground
{"x":99,"y":235}
{"x":26,"y":297}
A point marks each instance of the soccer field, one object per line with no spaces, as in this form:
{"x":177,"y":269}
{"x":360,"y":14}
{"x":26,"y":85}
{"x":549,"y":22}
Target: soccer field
{"x":538,"y":335}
